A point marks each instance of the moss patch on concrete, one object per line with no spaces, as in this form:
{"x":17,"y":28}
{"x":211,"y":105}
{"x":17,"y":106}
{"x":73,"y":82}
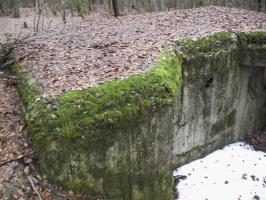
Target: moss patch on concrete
{"x":108,"y":105}
{"x":28,"y":86}
{"x":222,"y":41}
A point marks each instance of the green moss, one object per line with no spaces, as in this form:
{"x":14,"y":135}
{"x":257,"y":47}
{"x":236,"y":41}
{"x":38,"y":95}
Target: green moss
{"x":222,"y":41}
{"x":28,"y":86}
{"x":254,"y":38}
{"x":112,"y":103}
{"x":208,"y":45}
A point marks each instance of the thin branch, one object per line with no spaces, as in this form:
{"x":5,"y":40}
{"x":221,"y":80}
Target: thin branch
{"x":7,"y":64}
{"x":2,"y":163}
{"x":34,"y":188}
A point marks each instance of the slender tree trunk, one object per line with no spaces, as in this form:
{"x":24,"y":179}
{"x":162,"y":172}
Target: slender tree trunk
{"x":150,"y":6}
{"x":34,"y":4}
{"x":2,"y":12}
{"x":63,"y":10}
{"x":115,"y":8}
{"x":259,"y":5}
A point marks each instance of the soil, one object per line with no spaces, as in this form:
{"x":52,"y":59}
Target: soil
{"x":257,"y":140}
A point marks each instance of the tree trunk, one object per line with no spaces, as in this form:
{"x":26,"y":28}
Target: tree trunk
{"x":115,"y":8}
{"x":63,"y":10}
{"x":259,"y":5}
{"x":2,"y":11}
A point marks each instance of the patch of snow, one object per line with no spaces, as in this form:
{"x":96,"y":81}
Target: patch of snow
{"x":236,"y":172}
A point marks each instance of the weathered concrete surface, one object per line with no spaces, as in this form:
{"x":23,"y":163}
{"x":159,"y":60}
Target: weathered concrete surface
{"x":147,"y":125}
{"x":223,"y":98}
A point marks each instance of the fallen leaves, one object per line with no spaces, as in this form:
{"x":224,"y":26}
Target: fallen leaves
{"x":19,"y":177}
{"x":85,"y":53}
{"x":258,"y":140}
{"x":4,"y":162}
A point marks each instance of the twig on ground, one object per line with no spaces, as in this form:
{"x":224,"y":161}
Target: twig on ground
{"x":34,"y":188}
{"x":61,"y":195}
{"x":7,"y":64}
{"x":2,"y":163}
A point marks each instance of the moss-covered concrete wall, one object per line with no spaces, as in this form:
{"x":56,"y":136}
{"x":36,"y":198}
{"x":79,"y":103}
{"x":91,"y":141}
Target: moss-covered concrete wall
{"x":110,"y":141}
{"x":122,"y":139}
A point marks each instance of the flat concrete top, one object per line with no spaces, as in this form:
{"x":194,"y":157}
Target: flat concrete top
{"x":84,"y":53}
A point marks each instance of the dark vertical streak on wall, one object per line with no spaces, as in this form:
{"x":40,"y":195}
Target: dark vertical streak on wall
{"x":129,"y":166}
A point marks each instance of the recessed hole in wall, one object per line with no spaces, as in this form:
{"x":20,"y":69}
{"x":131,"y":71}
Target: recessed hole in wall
{"x":209,"y":82}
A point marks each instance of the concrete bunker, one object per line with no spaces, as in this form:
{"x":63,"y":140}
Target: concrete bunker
{"x":122,"y":139}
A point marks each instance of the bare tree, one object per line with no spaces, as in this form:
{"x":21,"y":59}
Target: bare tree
{"x":39,"y":11}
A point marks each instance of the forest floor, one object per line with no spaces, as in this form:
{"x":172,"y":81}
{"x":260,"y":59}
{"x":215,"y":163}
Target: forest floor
{"x":84,"y":53}
{"x":87,"y":52}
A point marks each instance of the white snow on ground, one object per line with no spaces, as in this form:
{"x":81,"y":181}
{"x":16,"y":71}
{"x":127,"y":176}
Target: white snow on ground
{"x":236,"y":172}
